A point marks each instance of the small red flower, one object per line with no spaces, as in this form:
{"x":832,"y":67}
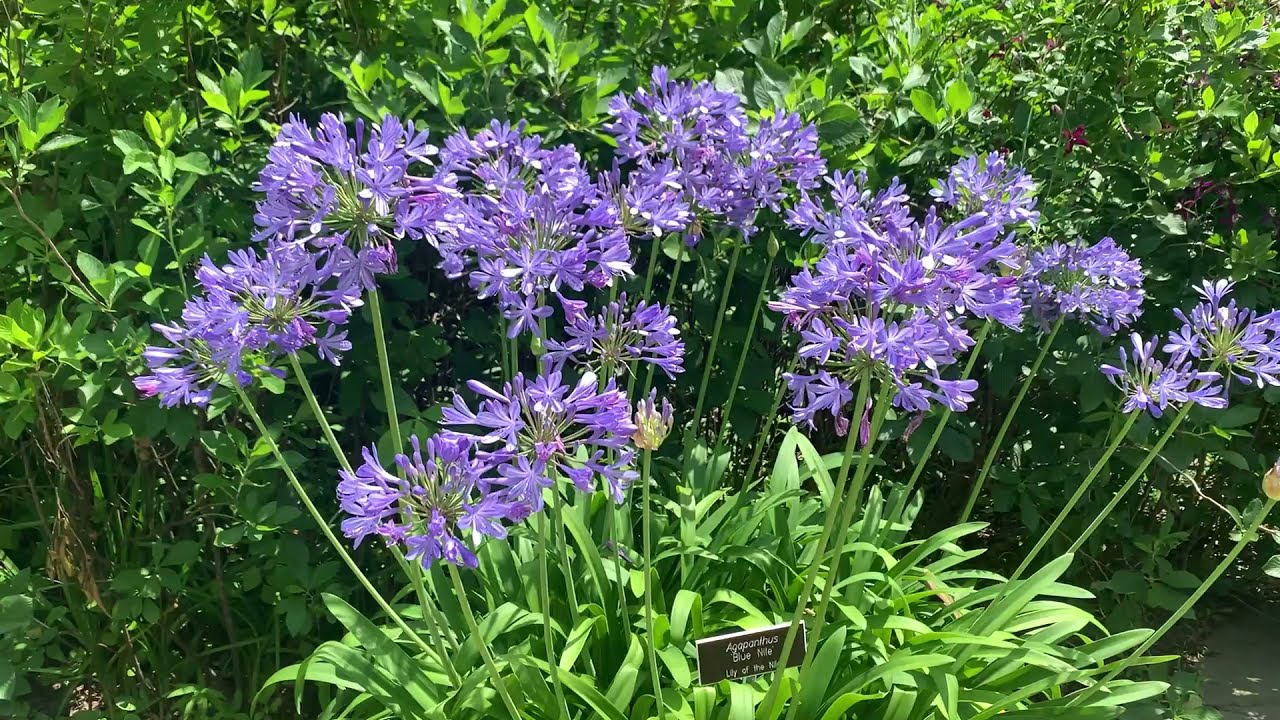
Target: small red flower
{"x":986,"y":113}
{"x":1075,"y":138}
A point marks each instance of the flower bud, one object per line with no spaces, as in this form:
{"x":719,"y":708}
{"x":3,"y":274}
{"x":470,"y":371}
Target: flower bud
{"x":652,"y":422}
{"x":1271,"y":482}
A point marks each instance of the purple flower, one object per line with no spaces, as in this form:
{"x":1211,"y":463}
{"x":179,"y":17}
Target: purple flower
{"x":535,"y":430}
{"x":1098,"y":284}
{"x":696,"y":141}
{"x":279,"y":302}
{"x":187,"y":371}
{"x":890,"y":292}
{"x":527,"y":223}
{"x":443,"y":500}
{"x":990,"y":185}
{"x":1237,"y":340}
{"x":608,"y":342}
{"x":876,"y":250}
{"x":350,"y":196}
{"x":1153,"y":385}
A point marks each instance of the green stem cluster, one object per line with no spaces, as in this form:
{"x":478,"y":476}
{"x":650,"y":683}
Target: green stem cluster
{"x":819,"y":552}
{"x":994,"y":452}
{"x":850,"y":504}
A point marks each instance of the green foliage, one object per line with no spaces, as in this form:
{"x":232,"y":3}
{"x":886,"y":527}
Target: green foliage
{"x":914,"y":629}
{"x":167,"y":572}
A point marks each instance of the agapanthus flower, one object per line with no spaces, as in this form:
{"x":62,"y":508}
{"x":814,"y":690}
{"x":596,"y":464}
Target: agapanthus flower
{"x":442,"y":508}
{"x":1152,"y":384}
{"x":349,"y":195}
{"x":696,"y":139}
{"x":875,"y":248}
{"x":187,"y":371}
{"x":649,"y":203}
{"x":908,"y":353}
{"x":619,"y":336}
{"x":653,"y":422}
{"x":523,"y":227}
{"x":1098,"y":284}
{"x":280,"y":301}
{"x":889,"y":295}
{"x":535,"y":430}
{"x":1237,"y":340}
{"x":990,"y":185}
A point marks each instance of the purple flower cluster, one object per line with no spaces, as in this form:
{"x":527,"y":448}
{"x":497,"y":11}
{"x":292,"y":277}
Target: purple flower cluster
{"x":526,"y":223}
{"x":258,"y":305}
{"x":1098,"y":284}
{"x":1006,"y":193}
{"x":1241,"y":342}
{"x":446,"y":495}
{"x":619,"y":335}
{"x":696,"y":154}
{"x":889,"y":295}
{"x":534,"y":431}
{"x":1152,"y":384}
{"x":333,"y":204}
{"x":349,"y":196}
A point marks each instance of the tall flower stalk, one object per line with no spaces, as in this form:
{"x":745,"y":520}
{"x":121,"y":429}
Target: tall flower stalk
{"x":1248,"y":535}
{"x":429,"y":611}
{"x":838,"y":496}
{"x":727,"y":411}
{"x":1098,"y":284}
{"x":323,"y":524}
{"x":709,"y":359}
{"x":945,"y":416}
{"x":997,"y":444}
{"x":653,"y":422}
{"x":850,"y":503}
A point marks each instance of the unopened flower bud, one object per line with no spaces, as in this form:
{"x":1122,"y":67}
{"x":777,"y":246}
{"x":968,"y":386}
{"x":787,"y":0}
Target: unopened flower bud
{"x":652,"y":422}
{"x":1271,"y":482}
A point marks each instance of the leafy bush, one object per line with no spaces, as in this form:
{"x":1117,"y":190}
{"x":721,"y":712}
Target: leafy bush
{"x":167,"y":570}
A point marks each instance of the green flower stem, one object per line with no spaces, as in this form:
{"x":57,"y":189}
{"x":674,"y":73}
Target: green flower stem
{"x":762,"y":438}
{"x":1245,"y":538}
{"x":653,"y":264}
{"x":709,"y":360}
{"x":978,"y":341}
{"x":852,"y":500}
{"x":324,"y":526}
{"x":994,"y":452}
{"x":742,"y":358}
{"x":1075,"y":499}
{"x":393,"y":422}
{"x":544,"y":602}
{"x":384,"y":367}
{"x":1133,"y":477}
{"x":819,"y":551}
{"x":461,"y":592}
{"x":414,"y":575}
{"x":648,"y":580}
{"x":562,"y":547}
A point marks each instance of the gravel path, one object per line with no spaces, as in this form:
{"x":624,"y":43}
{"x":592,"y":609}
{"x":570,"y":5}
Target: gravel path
{"x":1241,"y":668}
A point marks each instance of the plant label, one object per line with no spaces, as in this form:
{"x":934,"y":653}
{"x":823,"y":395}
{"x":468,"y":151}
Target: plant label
{"x":740,"y":655}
